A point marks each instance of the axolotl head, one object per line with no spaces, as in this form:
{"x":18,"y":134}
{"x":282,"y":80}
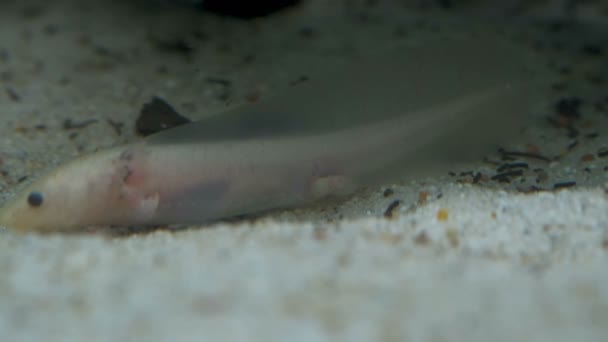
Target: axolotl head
{"x":73,"y":196}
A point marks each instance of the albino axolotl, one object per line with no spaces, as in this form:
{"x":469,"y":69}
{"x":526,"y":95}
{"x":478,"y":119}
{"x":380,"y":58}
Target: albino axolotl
{"x":414,"y":109}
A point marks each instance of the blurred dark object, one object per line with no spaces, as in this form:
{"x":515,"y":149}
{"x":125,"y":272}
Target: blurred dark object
{"x":157,"y":115}
{"x":246,"y":8}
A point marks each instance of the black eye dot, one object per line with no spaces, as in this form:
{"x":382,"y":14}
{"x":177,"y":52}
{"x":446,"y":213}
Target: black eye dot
{"x":35,"y":199}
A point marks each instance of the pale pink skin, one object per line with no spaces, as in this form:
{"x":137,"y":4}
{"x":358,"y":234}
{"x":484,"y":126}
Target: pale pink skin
{"x":194,"y":183}
{"x":446,"y":114}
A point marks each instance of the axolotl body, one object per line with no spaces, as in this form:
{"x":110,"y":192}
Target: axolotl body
{"x":413,"y":109}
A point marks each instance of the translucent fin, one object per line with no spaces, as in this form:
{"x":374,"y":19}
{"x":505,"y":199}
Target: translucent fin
{"x":400,"y":82}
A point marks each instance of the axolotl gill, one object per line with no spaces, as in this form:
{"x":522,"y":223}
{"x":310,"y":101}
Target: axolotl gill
{"x":412,"y":109}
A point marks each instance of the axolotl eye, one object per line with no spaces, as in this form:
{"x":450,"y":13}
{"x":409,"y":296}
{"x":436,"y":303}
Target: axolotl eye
{"x":35,"y":199}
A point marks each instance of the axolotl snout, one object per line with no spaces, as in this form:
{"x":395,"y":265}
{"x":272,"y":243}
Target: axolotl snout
{"x":417,"y":106}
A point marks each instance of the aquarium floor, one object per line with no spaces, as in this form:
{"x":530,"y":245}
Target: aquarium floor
{"x":470,"y":256}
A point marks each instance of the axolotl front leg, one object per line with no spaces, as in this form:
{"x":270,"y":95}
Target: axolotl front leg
{"x":131,"y":177}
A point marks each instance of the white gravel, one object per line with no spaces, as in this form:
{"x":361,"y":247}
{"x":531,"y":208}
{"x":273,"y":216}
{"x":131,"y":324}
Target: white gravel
{"x":472,"y":262}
